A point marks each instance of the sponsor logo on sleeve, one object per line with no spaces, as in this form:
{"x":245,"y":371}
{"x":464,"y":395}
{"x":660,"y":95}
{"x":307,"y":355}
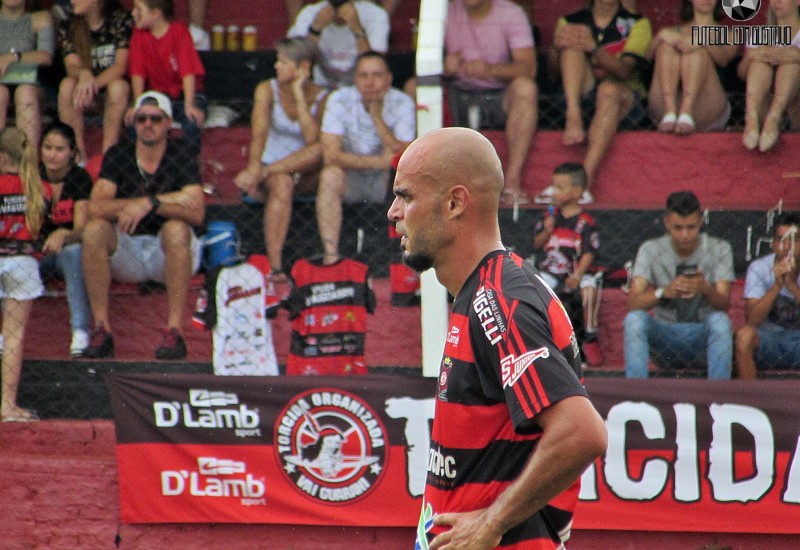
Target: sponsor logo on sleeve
{"x":512,"y":367}
{"x":492,"y":321}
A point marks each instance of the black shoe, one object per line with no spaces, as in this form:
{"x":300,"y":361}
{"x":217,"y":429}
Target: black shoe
{"x":173,"y":347}
{"x":101,"y":344}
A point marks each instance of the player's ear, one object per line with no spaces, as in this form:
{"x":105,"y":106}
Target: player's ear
{"x":458,"y":199}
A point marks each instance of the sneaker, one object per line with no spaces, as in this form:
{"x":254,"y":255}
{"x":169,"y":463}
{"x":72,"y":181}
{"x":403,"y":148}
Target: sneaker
{"x":80,"y":341}
{"x":593,"y":353}
{"x":201,"y":39}
{"x":101,"y":344}
{"x":586,"y":197}
{"x":173,"y":347}
{"x":545,"y":196}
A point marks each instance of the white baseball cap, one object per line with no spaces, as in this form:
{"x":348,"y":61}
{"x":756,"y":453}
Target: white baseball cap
{"x":163,"y":102}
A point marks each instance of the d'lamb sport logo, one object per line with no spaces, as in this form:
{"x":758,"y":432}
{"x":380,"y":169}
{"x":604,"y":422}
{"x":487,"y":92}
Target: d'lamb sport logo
{"x":741,"y":10}
{"x":331,"y":444}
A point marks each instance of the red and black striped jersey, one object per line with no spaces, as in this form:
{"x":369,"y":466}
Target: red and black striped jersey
{"x":510,"y":353}
{"x":15,"y":237}
{"x":328,"y":307}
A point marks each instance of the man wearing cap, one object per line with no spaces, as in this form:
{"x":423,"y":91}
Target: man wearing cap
{"x":142,"y":210}
{"x":363,"y":128}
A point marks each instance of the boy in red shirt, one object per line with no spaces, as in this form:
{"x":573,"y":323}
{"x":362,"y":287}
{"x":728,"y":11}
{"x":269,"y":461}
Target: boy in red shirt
{"x":163,"y":58}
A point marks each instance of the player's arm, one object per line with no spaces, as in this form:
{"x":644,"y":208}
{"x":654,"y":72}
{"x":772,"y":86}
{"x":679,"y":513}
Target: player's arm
{"x":573,"y":436}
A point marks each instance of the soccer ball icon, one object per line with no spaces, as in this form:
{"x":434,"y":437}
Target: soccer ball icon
{"x":741,"y":10}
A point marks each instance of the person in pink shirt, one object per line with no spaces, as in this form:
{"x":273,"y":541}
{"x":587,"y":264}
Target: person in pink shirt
{"x":491,"y":58}
{"x":163,"y":58}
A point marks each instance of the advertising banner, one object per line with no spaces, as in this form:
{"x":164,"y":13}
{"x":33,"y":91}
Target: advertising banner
{"x":683,"y":455}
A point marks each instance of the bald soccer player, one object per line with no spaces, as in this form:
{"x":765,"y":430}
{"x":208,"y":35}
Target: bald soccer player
{"x":513,"y":428}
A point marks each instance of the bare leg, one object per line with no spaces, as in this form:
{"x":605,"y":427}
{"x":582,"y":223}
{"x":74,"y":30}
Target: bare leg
{"x":787,"y":86}
{"x":176,"y":237}
{"x":15,"y":319}
{"x":614,"y":100}
{"x":69,"y":114}
{"x":576,"y":80}
{"x":746,"y":343}
{"x":521,"y":100}
{"x":662,"y":98}
{"x":703,"y":96}
{"x":332,"y":188}
{"x":5,"y":99}
{"x":29,"y":114}
{"x":117,"y":95}
{"x":277,"y":215}
{"x":759,"y":83}
{"x":99,"y":243}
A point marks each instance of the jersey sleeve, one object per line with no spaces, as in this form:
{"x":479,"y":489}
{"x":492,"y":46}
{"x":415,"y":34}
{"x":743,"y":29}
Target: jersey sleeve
{"x":529,"y":358}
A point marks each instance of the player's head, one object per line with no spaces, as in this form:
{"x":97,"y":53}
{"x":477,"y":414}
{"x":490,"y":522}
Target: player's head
{"x":569,"y":180}
{"x":785,"y":234}
{"x":447,"y":189}
{"x":683,"y":220}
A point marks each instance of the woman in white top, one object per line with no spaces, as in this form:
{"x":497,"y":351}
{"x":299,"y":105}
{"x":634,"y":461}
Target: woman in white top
{"x":284,"y":150}
{"x":771,"y":68}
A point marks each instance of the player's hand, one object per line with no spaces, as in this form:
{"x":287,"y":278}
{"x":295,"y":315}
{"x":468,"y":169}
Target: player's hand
{"x":477,"y":68}
{"x":468,"y":531}
{"x":130,"y":216}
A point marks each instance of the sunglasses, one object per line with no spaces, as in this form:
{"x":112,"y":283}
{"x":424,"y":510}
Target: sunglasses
{"x":155,"y":119}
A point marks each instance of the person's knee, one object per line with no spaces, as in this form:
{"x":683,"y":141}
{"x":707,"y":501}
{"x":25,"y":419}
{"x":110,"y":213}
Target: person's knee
{"x":610,"y":93}
{"x":522,"y":91}
{"x":332,"y":181}
{"x":97,"y":233}
{"x":118,"y":91}
{"x":176,"y":235}
{"x":280,"y":187}
{"x":719,"y":324}
{"x":746,"y":340}
{"x":635,"y":323}
{"x":66,"y":88}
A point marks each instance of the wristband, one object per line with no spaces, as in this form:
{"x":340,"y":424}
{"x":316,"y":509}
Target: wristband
{"x":659,"y":293}
{"x":154,"y":202}
{"x":16,"y":54}
{"x":314,"y":32}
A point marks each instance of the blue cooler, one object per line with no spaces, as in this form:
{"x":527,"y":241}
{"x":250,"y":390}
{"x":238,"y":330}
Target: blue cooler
{"x":221,"y":244}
